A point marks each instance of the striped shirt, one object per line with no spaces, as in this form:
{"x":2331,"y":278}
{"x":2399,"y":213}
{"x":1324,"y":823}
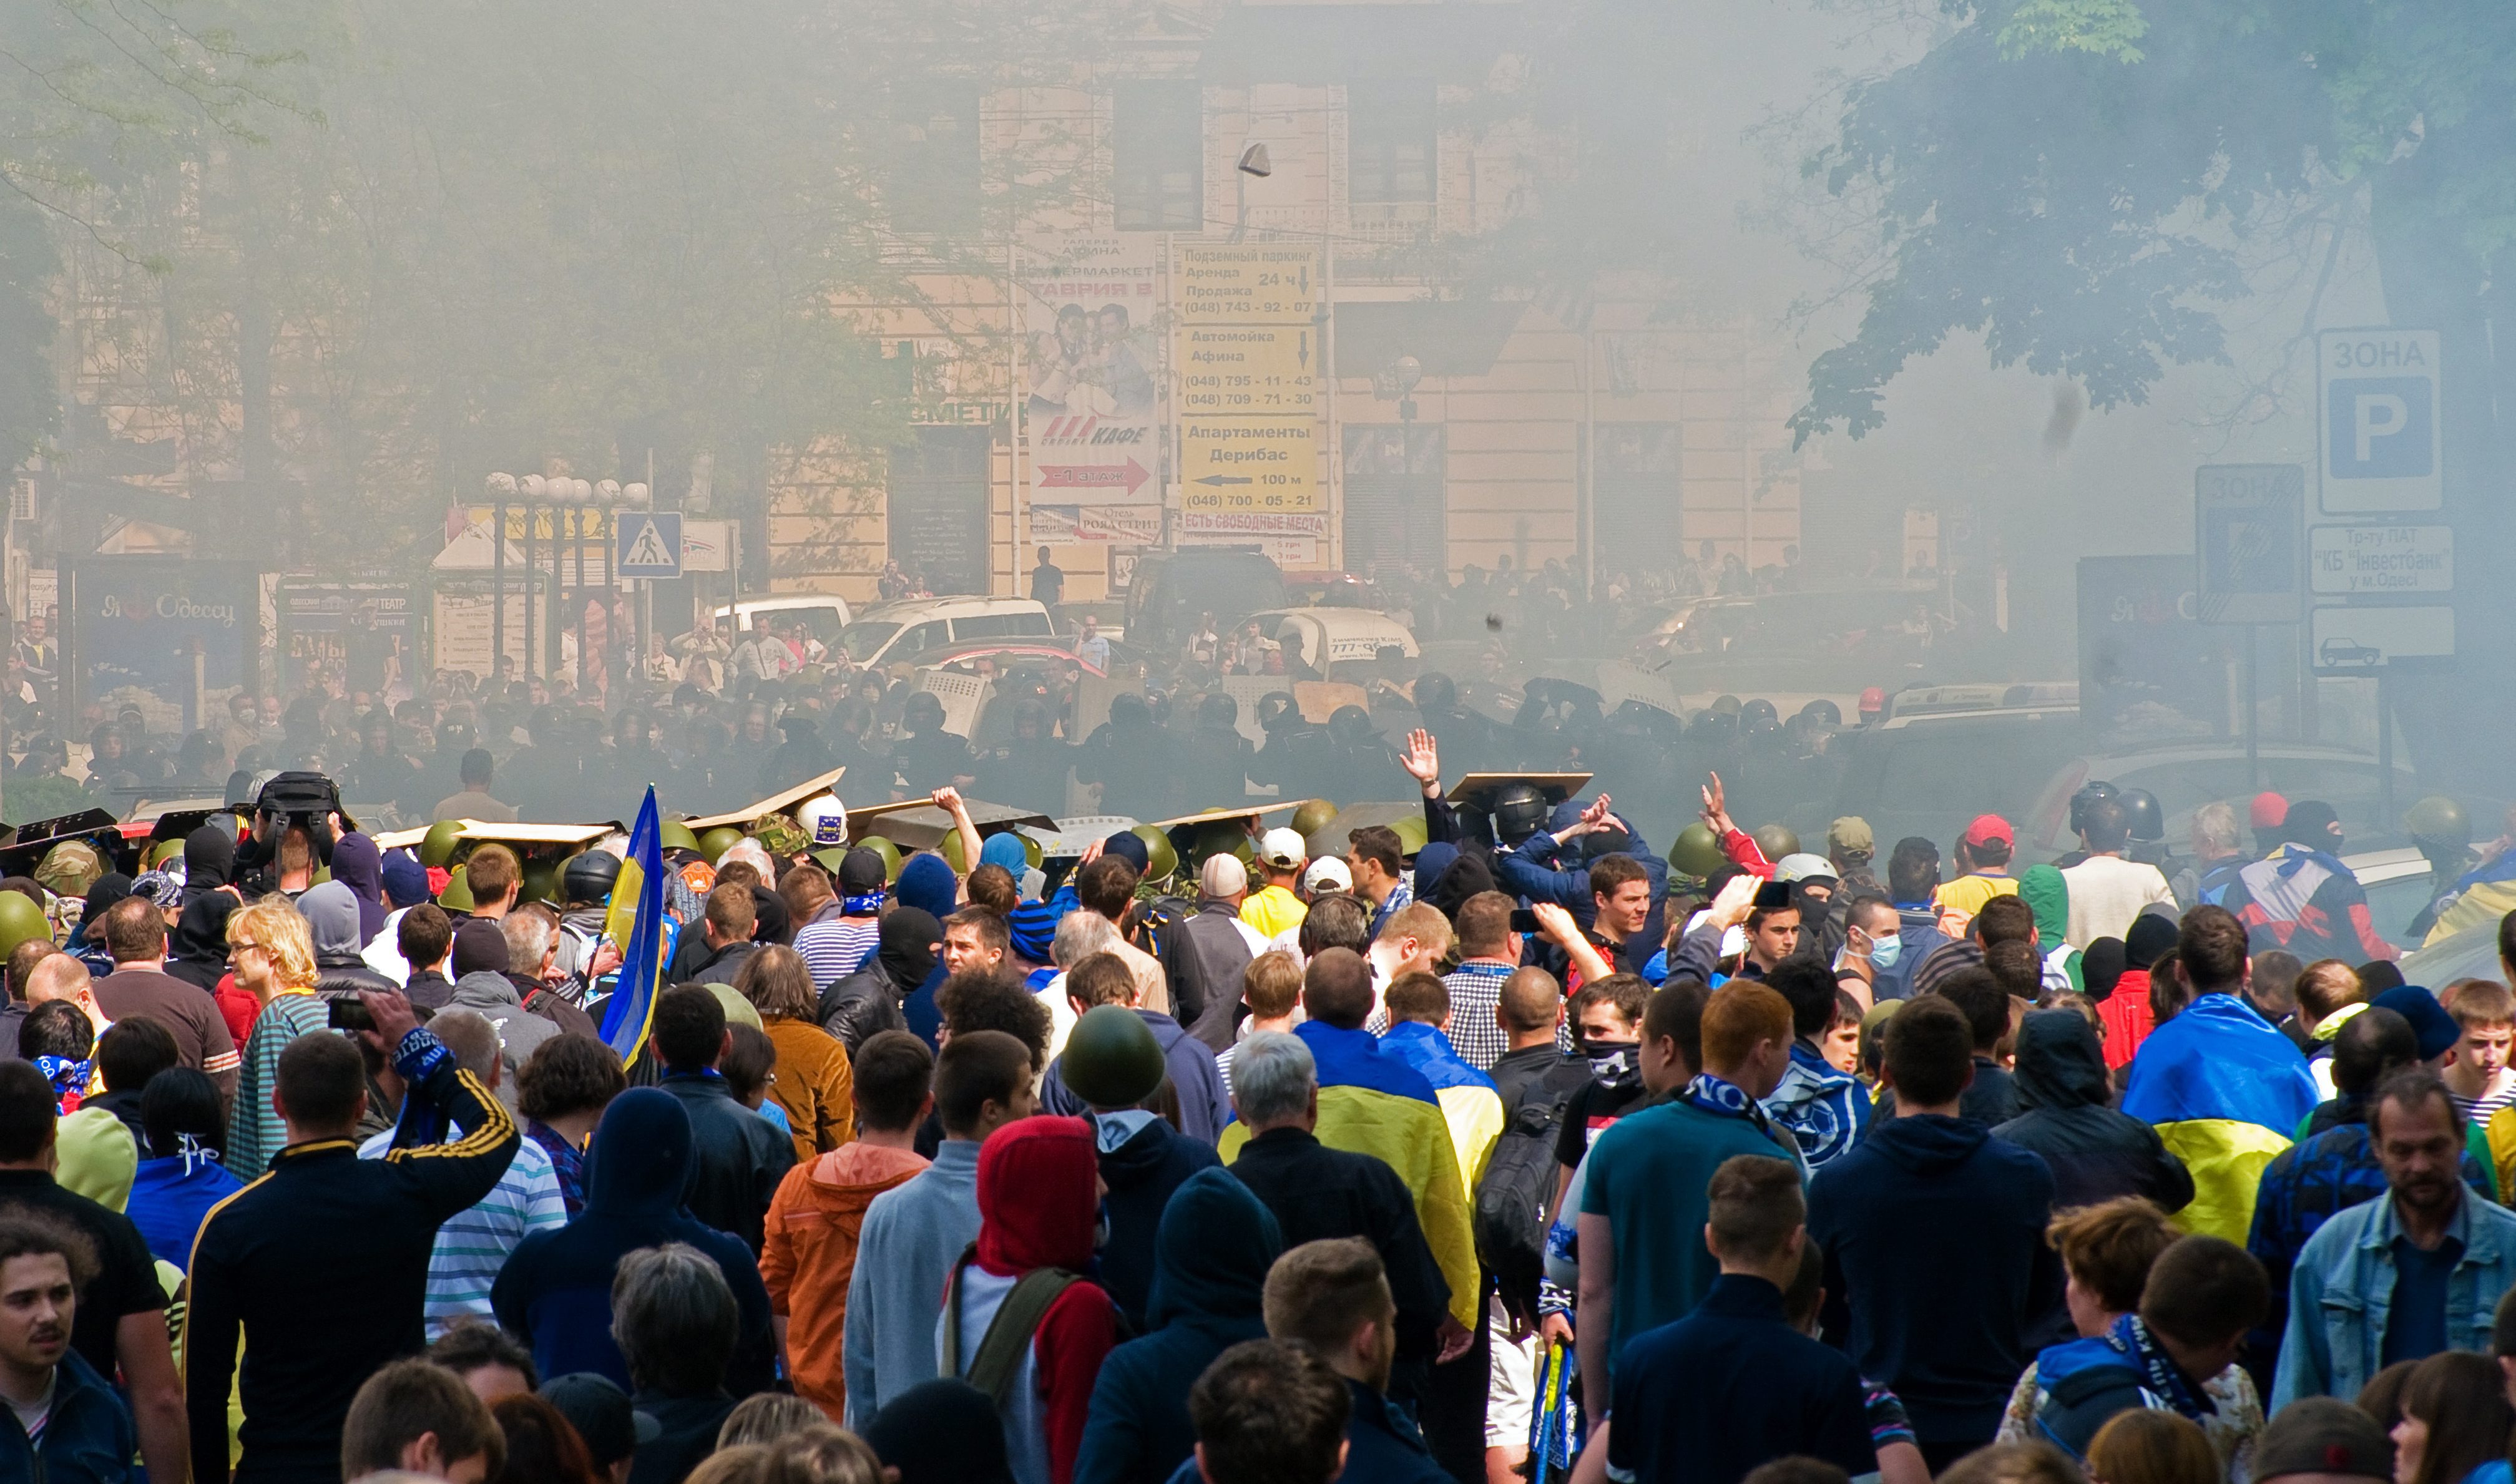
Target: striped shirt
{"x":2478,"y":1110}
{"x":254,"y":1130}
{"x":837,"y":947}
{"x":474,"y":1244}
{"x":1476,"y":987}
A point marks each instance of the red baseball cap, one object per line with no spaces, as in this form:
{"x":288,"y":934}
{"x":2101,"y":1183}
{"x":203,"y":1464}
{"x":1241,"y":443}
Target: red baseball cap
{"x":2269,"y":810}
{"x":1874,"y":698}
{"x":1988,"y":829}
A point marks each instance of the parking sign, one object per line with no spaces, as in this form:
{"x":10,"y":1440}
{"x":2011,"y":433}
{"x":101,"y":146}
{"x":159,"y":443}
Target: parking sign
{"x":2246,"y":523}
{"x":2376,"y":395}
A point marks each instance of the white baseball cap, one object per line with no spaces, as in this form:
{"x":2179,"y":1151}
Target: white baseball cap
{"x":1327,"y":874}
{"x":1283,"y":848}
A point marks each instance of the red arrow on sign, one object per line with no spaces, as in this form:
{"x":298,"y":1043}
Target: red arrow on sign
{"x":1130,"y":475}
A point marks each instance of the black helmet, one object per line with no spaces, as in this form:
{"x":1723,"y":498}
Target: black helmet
{"x":1519,"y":812}
{"x":2141,"y":810}
{"x":1277,"y":712}
{"x":1128,"y":711}
{"x":589,"y":876}
{"x":2088,"y":793}
{"x":1349,"y":724}
{"x":1436,"y":691}
{"x":1823,"y":713}
{"x":1758,"y":714}
{"x":1218,"y":710}
{"x":922,"y":711}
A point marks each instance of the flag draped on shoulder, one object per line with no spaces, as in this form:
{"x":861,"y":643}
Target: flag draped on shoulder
{"x":636,"y":923}
{"x":2225,"y":1091}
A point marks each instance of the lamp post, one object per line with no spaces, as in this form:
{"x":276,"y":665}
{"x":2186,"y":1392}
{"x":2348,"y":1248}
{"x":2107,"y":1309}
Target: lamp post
{"x":570,"y":501}
{"x":1253,"y":164}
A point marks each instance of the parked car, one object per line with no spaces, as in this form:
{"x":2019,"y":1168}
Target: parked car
{"x":1172,"y":588}
{"x":910,"y":630}
{"x":824,"y":614}
{"x":2186,"y":775}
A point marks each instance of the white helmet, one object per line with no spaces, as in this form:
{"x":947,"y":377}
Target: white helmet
{"x":823,"y":818}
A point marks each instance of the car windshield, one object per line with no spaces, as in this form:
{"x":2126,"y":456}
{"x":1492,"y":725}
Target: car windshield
{"x":862,"y":639}
{"x":2391,"y":906}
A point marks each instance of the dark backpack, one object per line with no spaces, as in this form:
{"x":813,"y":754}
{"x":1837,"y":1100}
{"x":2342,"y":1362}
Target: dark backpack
{"x":2079,"y":1384}
{"x":1512,"y":1200}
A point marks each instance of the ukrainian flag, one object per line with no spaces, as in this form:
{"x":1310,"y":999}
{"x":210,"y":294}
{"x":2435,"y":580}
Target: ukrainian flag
{"x":1376,"y":1104}
{"x":2223,"y":1089}
{"x":636,"y":923}
{"x":2483,"y":895}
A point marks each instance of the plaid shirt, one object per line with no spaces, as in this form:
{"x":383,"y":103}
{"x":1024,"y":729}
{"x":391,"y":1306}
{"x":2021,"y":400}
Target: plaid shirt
{"x":1474,"y":986}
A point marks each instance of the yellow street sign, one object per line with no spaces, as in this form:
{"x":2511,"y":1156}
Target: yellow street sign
{"x":1250,"y":463}
{"x":1231,"y":370}
{"x":1247,"y":285}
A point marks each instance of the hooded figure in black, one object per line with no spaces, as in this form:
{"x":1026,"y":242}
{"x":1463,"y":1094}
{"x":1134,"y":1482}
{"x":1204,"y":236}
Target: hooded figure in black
{"x":2095,"y":1152}
{"x":1214,"y":767}
{"x":1028,"y":769}
{"x":209,"y":861}
{"x":868,"y":1001}
{"x":555,"y":1291}
{"x":1135,"y":762}
{"x":1210,"y":1258}
{"x":199,"y":954}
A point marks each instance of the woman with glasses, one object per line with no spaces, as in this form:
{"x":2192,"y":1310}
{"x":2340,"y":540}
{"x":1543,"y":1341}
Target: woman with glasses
{"x":273,"y":956}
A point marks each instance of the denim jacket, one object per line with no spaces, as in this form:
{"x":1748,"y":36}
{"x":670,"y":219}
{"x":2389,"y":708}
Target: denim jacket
{"x":88,"y":1439}
{"x":2341,"y":1295}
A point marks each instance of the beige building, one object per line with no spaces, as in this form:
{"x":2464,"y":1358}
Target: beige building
{"x":1437,"y":429}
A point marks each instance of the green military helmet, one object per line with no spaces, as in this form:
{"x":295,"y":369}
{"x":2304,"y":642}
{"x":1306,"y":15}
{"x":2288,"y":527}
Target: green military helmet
{"x":437,"y":847}
{"x":1777,"y":841}
{"x":715,"y":843}
{"x":1313,"y":816}
{"x":1697,"y":852}
{"x":677,"y":836}
{"x":952,"y":853}
{"x":1160,"y":859}
{"x":2438,"y":818}
{"x":1220,"y":838}
{"x":1410,"y":835}
{"x":1033,"y":852}
{"x":1725,"y":705}
{"x":828,"y":858}
{"x":1111,"y":1059}
{"x":457,"y":896}
{"x":890,"y":854}
{"x":163,"y":852}
{"x":20,"y":922}
{"x":541,"y":883}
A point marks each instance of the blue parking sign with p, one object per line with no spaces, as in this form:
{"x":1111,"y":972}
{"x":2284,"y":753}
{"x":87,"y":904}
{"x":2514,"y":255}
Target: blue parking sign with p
{"x":2378,"y":428}
{"x":2378,"y":398}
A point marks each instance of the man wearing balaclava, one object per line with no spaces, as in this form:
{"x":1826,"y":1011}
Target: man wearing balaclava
{"x":2303,"y":898}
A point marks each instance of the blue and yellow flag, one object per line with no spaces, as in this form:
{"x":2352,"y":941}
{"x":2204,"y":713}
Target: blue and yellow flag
{"x":2224,"y":1090}
{"x":636,"y":922}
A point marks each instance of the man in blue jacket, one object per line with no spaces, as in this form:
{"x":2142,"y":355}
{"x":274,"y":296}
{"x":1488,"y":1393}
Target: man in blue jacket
{"x":554,"y":1292}
{"x":1933,"y":1234}
{"x":85,"y":1434}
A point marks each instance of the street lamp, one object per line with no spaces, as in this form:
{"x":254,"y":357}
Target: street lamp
{"x":1253,"y":163}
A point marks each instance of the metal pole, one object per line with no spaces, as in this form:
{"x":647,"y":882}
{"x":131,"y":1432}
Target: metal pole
{"x":1588,"y":488}
{"x":497,"y":584}
{"x":2254,"y":712}
{"x":584,"y":657}
{"x":533,"y":660}
{"x":2385,"y":748}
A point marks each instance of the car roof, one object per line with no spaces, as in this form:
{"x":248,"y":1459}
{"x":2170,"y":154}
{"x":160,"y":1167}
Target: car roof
{"x":905,"y":611}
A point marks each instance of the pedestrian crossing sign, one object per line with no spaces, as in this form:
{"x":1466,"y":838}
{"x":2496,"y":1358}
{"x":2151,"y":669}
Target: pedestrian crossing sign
{"x":649,"y":544}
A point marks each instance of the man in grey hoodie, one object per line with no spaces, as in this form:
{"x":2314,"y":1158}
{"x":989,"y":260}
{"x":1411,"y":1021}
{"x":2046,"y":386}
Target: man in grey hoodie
{"x":915,"y":1231}
{"x":482,"y":984}
{"x":331,"y":913}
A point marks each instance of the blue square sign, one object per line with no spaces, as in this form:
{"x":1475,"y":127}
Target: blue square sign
{"x":2378,"y":396}
{"x":2379,"y":428}
{"x":649,"y":544}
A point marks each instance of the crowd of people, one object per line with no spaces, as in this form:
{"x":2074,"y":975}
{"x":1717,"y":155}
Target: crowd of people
{"x":1523,"y":1152}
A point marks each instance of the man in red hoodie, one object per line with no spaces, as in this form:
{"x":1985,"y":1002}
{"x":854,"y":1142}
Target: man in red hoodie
{"x":1019,"y":1322}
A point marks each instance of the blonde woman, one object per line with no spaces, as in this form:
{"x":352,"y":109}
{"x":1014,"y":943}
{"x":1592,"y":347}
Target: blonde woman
{"x":273,"y":954}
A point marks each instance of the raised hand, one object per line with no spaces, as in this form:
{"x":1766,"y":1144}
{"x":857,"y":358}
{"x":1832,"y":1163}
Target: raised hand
{"x":1422,"y":760}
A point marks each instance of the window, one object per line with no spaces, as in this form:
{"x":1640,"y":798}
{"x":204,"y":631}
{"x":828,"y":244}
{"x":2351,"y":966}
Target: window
{"x":986,"y":626}
{"x":1158,"y":148}
{"x":1392,"y":129}
{"x":937,"y":510}
{"x":1634,"y":497}
{"x":1394,"y":495}
{"x":933,"y":184}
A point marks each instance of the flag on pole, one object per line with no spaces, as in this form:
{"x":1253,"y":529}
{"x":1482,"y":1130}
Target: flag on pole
{"x":636,"y":923}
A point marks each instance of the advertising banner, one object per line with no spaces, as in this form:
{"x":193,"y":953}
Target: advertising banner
{"x":146,"y":631}
{"x":1245,"y":346}
{"x":1090,"y":389}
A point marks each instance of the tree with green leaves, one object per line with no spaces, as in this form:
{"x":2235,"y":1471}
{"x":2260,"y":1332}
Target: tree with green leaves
{"x":2084,"y":183}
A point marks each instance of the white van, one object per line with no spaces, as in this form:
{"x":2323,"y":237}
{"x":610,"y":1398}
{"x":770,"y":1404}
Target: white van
{"x":823,"y":614}
{"x":899,"y":632}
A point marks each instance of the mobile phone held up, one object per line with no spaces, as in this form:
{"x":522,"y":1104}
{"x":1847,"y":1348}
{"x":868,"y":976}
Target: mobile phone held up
{"x":350,"y":1014}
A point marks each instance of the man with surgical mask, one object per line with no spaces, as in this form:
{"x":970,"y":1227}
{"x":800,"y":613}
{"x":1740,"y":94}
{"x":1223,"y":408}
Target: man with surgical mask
{"x":1871,"y":946}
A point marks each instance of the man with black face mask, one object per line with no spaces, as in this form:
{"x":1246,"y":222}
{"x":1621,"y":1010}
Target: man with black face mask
{"x":2303,"y":898}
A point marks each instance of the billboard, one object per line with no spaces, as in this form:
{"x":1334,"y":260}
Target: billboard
{"x":145,"y":630}
{"x":2147,"y":662}
{"x":1246,"y":346}
{"x":1090,"y":372}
